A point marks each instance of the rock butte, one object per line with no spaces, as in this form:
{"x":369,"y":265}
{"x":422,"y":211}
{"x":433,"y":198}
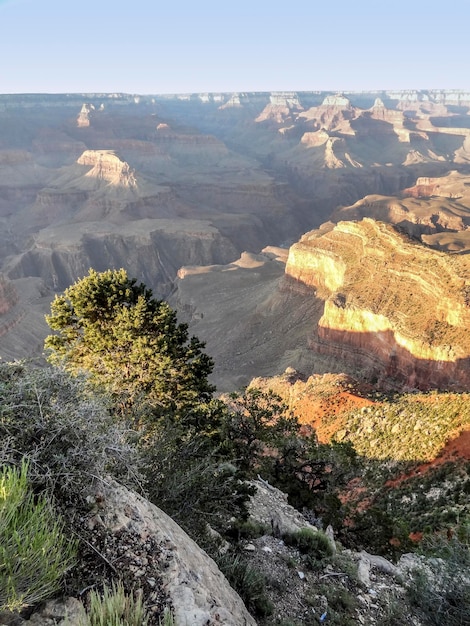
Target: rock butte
{"x":392,"y":307}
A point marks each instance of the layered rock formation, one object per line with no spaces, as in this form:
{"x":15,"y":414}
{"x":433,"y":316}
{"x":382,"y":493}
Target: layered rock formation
{"x":395,"y":118}
{"x":431,"y":206}
{"x":334,"y":114}
{"x":153,"y":183}
{"x":106,"y":165}
{"x":393,"y":308}
{"x":280,"y":108}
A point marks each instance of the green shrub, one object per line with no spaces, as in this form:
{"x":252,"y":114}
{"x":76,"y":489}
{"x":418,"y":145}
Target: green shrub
{"x":67,"y":434}
{"x":34,"y":552}
{"x":441,"y":589}
{"x":114,"y":607}
{"x":189,"y":481}
{"x":311,"y":542}
{"x":247,"y":529}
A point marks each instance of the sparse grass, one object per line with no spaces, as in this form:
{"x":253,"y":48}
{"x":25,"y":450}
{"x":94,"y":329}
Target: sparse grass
{"x":341,"y":604}
{"x":248,"y":581}
{"x":247,"y":529}
{"x":313,"y":543}
{"x":66,"y":433}
{"x":34,"y":552}
{"x":114,"y":607}
{"x":168,"y":619}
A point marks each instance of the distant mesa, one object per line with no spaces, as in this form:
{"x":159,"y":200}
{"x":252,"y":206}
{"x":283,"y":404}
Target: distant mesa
{"x":280,"y":108}
{"x":334,"y":114}
{"x":338,"y":100}
{"x":235,"y":101}
{"x":335,"y":155}
{"x":107,"y":166}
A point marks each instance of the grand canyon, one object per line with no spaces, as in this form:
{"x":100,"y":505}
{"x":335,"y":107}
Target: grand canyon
{"x":259,"y":216}
{"x":318,"y":244}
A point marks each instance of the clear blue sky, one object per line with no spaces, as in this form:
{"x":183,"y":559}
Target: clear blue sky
{"x":181,"y":46}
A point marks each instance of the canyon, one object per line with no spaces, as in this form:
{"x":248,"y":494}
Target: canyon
{"x":320,"y":231}
{"x":318,"y":243}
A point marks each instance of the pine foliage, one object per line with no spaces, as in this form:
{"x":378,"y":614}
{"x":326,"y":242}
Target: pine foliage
{"x":130,"y":343}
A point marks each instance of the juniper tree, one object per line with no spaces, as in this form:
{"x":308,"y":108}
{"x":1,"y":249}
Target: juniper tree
{"x":112,"y":328}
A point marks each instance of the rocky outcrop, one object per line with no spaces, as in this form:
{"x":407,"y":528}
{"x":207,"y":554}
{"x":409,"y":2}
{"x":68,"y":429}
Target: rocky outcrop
{"x":197,"y":591}
{"x":395,"y":118}
{"x":393,"y":308}
{"x":269,"y":507}
{"x":425,"y":187}
{"x":153,"y":554}
{"x":431,"y":205}
{"x":313,"y":139}
{"x":334,"y":114}
{"x":83,"y":119}
{"x":107,"y":166}
{"x":280,"y":108}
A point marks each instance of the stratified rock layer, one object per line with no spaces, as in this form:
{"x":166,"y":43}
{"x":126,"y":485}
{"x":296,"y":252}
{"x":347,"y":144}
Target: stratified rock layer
{"x":396,"y":310}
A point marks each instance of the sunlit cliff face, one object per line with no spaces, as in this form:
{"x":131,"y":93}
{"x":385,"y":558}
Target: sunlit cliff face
{"x":392,"y":307}
{"x":106,"y":165}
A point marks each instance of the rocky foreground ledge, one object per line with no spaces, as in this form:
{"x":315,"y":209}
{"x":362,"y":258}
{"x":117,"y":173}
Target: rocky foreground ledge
{"x":143,"y":544}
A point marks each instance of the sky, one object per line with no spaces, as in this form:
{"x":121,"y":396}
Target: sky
{"x":189,"y":46}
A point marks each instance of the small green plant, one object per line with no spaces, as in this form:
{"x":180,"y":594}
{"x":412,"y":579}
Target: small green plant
{"x":441,"y":590}
{"x":34,"y":552}
{"x":114,"y":607}
{"x":288,"y":560}
{"x":342,"y":604}
{"x":312,"y":542}
{"x":168,"y":619}
{"x":247,"y":529}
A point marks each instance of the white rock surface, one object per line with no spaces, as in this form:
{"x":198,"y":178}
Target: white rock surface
{"x":199,"y":593}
